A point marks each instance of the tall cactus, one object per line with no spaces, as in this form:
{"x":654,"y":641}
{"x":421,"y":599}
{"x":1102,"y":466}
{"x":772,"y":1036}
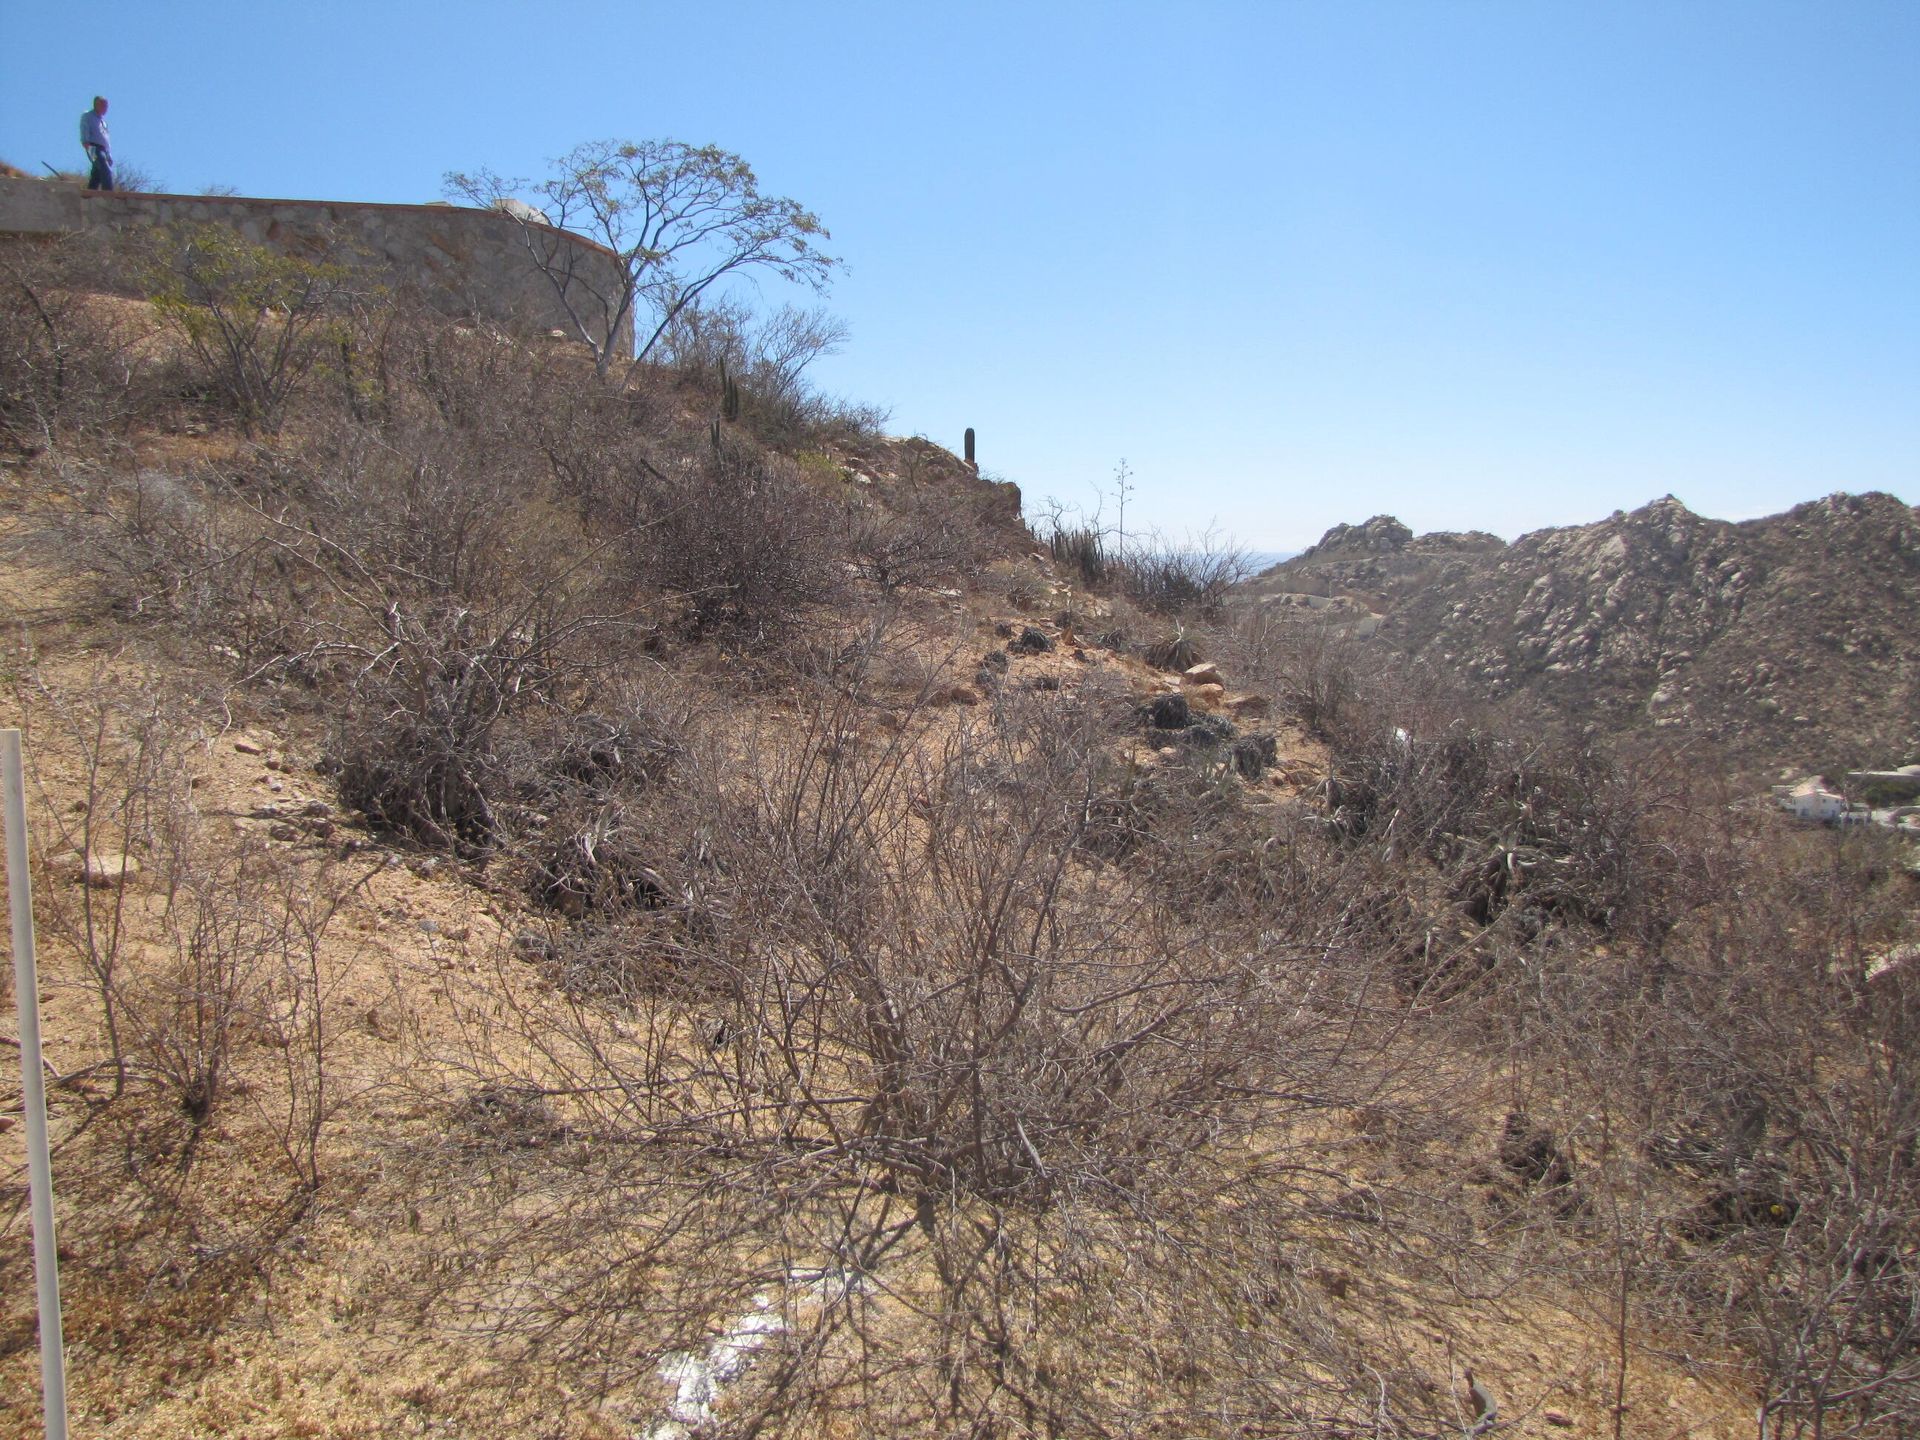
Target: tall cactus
{"x":729,"y":395}
{"x":970,"y":459}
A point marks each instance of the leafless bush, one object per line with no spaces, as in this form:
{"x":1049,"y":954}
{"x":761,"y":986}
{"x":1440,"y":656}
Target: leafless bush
{"x":131,"y":752}
{"x":766,"y":358}
{"x":1171,"y":579}
{"x":587,"y":824}
{"x":917,"y":539}
{"x":1740,"y":1100}
{"x":936,"y":1076}
{"x":66,"y":362}
{"x":153,"y":546}
{"x":1314,"y":664}
{"x":742,"y":542}
{"x":1516,"y":825}
{"x":416,"y":749}
{"x":195,"y":944}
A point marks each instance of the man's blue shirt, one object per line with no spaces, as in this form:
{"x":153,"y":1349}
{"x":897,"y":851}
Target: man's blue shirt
{"x":93,"y":130}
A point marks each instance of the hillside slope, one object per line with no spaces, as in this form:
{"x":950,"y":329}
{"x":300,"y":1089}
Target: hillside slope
{"x":1782,"y":641}
{"x":576,"y":912}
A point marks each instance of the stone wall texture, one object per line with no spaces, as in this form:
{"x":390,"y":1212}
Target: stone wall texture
{"x":463,"y":262}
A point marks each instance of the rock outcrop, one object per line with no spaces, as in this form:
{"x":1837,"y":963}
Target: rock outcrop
{"x":1782,"y":640}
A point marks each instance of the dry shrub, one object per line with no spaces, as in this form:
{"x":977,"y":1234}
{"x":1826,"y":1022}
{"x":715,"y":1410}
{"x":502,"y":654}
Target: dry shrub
{"x":259,"y":323}
{"x":415,"y":749}
{"x":69,"y":362}
{"x":167,"y":548}
{"x":1169,"y":579}
{"x":940,"y":1085}
{"x":918,"y":537}
{"x":1318,"y":667}
{"x":194,"y":1140}
{"x":233,"y":947}
{"x":741,"y":542}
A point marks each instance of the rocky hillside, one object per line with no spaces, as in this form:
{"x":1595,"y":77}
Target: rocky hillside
{"x":586,"y":912}
{"x":1784,"y":640}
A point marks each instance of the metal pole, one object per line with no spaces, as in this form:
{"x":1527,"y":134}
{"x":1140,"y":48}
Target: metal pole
{"x":26,"y":985}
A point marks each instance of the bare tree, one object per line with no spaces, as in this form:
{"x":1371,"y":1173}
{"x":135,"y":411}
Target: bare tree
{"x":679,"y":217}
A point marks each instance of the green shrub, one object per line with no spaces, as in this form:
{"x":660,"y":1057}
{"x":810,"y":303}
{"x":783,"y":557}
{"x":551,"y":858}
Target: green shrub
{"x":259,"y":322}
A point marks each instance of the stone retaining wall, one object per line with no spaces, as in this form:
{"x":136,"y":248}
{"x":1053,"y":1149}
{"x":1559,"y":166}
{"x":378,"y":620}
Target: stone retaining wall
{"x":463,"y":262}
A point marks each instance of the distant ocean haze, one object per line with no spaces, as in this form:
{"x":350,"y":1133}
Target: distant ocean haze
{"x":1259,"y":560}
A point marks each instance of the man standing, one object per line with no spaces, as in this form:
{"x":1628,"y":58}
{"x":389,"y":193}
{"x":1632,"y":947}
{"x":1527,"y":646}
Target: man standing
{"x":93,"y":139}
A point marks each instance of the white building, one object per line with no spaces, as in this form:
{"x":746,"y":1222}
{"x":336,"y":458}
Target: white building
{"x":1810,"y":799}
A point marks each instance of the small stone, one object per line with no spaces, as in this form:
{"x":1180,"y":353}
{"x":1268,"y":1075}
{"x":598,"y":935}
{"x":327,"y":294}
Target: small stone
{"x":1247,"y":706}
{"x":249,"y":747}
{"x":316,"y":809}
{"x":1557,"y":1417}
{"x":1205,"y":673}
{"x":283,"y":832}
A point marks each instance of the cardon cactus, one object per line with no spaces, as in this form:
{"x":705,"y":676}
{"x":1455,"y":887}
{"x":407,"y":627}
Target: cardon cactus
{"x":970,"y":459}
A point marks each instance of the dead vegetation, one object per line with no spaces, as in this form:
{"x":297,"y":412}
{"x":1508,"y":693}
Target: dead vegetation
{"x":673,"y":939}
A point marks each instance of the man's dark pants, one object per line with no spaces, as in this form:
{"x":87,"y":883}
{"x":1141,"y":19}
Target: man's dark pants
{"x":101,"y":177}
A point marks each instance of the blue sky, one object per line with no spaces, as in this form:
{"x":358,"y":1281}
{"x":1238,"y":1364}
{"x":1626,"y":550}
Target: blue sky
{"x":1489,"y":264}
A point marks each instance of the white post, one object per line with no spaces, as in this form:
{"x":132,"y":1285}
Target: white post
{"x":26,"y":984}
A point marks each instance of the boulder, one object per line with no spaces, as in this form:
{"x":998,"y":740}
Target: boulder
{"x":103,"y":872}
{"x":1207,"y":697}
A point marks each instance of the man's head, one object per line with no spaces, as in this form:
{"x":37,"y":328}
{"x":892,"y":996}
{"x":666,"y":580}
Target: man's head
{"x":99,"y":104}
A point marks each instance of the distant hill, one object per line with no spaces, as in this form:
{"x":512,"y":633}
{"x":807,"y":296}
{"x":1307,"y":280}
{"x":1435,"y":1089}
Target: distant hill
{"x":1787,"y":640}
